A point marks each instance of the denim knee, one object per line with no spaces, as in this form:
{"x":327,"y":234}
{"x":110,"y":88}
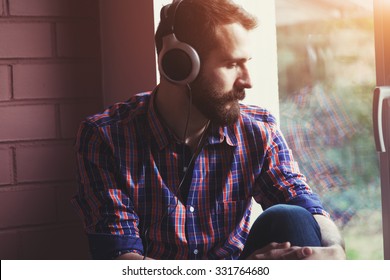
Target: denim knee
{"x":281,"y":223}
{"x":290,"y":223}
{"x":285,"y":215}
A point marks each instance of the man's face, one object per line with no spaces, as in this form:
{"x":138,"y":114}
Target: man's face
{"x":224,"y":76}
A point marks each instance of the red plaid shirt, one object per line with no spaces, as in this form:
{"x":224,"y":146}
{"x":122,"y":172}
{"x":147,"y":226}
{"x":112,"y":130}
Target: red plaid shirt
{"x":129,"y":170}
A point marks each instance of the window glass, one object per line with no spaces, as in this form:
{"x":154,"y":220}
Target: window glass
{"x":326,"y":64}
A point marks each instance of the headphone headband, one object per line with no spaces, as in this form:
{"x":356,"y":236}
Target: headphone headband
{"x":168,"y":13}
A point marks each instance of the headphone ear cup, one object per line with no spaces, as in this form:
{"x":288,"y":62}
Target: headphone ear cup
{"x":178,"y":62}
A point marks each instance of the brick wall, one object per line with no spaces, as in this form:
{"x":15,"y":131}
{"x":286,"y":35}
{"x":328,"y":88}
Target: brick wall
{"x":49,"y":80}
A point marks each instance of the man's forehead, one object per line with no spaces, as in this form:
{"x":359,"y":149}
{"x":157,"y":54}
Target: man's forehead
{"x":231,"y":31}
{"x":232,"y":42}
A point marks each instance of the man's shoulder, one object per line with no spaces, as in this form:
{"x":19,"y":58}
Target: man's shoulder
{"x":122,"y":112}
{"x":252,"y":113}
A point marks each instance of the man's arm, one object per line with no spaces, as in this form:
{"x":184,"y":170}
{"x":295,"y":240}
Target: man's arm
{"x":101,"y":198}
{"x":332,"y":241}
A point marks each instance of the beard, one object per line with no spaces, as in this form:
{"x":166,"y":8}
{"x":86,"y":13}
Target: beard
{"x":219,"y":106}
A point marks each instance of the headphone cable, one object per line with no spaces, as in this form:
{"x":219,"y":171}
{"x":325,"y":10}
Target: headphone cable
{"x":194,"y":155}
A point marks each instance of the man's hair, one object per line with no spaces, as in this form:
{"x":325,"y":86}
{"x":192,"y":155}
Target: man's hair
{"x":196,"y":22}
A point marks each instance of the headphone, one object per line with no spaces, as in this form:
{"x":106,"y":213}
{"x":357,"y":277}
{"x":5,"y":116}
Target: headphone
{"x":178,"y":62}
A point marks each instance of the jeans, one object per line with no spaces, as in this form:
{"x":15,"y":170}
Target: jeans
{"x":281,"y":223}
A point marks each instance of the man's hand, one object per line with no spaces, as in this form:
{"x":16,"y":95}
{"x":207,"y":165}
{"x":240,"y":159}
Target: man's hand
{"x":281,"y":251}
{"x":335,"y":252}
{"x":131,"y":256}
{"x":284,"y":251}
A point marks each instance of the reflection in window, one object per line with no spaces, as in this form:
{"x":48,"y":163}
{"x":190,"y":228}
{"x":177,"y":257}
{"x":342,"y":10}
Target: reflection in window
{"x":326,"y":65}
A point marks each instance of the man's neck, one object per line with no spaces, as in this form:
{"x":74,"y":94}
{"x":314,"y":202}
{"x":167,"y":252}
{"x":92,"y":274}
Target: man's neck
{"x":173,"y":104}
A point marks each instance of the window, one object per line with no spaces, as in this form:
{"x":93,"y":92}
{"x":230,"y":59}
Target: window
{"x":326,"y":63}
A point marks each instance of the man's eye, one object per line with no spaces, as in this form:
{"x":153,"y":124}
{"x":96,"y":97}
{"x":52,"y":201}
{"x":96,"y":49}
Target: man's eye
{"x":232,"y":65}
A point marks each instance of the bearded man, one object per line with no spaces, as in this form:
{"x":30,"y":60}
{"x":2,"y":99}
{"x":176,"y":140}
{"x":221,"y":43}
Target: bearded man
{"x":170,"y":174}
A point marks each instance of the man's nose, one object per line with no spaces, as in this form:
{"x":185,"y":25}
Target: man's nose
{"x":244,"y":79}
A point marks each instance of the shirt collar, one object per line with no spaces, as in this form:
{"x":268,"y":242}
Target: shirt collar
{"x":219,"y":134}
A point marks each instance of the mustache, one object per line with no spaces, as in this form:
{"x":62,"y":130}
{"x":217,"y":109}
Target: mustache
{"x":237,"y":94}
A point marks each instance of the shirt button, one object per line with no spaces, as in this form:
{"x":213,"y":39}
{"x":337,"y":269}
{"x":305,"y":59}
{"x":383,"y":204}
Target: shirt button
{"x":196,"y":251}
{"x":192,"y":209}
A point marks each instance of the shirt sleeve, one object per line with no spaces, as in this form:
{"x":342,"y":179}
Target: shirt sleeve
{"x":280,"y":180}
{"x":102,"y":199}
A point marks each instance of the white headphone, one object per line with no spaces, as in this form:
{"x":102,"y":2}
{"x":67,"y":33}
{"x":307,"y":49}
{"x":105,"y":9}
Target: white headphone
{"x":178,"y":62}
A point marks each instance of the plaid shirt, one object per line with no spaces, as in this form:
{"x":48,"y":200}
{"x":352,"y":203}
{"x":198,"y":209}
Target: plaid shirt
{"x":129,"y":171}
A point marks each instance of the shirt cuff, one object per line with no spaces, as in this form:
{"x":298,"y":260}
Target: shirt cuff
{"x":311,"y":203}
{"x":110,"y":246}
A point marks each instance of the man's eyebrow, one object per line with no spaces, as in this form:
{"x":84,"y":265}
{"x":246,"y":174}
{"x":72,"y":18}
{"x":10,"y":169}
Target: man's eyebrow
{"x":236,"y":59}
